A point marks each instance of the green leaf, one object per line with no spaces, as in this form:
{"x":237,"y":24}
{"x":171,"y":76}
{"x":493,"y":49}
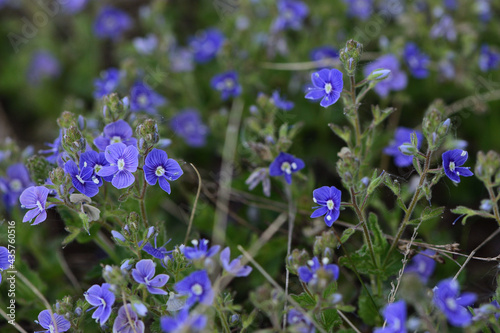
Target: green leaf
{"x":375,"y":181}
{"x":347,"y":234}
{"x":379,"y":240}
{"x":368,"y":311}
{"x":430,"y":213}
{"x":73,"y":233}
{"x":346,"y":308}
{"x":394,"y":186}
{"x":330,"y":319}
{"x":343,"y":133}
{"x":304,"y":300}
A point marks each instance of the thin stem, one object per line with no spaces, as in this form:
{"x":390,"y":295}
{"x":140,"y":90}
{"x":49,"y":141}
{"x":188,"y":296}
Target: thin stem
{"x":495,"y":206}
{"x":413,"y":203}
{"x":357,"y":127}
{"x":223,"y":319}
{"x":348,"y":321}
{"x":362,"y":221}
{"x":142,"y":203}
{"x":194,"y":205}
{"x":129,"y":318}
{"x":292,"y":211}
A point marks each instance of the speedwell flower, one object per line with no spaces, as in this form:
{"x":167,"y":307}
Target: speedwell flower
{"x":123,"y":161}
{"x":328,"y":85}
{"x":111,"y":23}
{"x":144,"y":272}
{"x":35,"y":199}
{"x":183,"y":322}
{"x":118,"y":131}
{"x":395,"y":316}
{"x":197,"y":287}
{"x":188,"y":125}
{"x":159,"y":168}
{"x":309,"y":273}
{"x":107,"y":83}
{"x":234,"y":267}
{"x":45,"y":320}
{"x":83,"y":180}
{"x":284,"y":165}
{"x":447,"y":298}
{"x":16,"y":180}
{"x":452,"y":161}
{"x":125,"y":319}
{"x":402,"y":135}
{"x":227,"y":84}
{"x":422,"y":265}
{"x":206,"y":44}
{"x":144,"y":98}
{"x":200,"y":250}
{"x":102,"y":299}
{"x":328,"y":199}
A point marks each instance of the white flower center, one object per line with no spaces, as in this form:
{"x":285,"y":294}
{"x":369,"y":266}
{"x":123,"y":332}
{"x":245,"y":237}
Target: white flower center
{"x":115,"y":139}
{"x":328,"y":88}
{"x":121,"y":164}
{"x":451,"y":303}
{"x":330,"y":204}
{"x":39,"y":205}
{"x":286,"y":167}
{"x":159,"y":171}
{"x":95,"y":180}
{"x":229,"y":83}
{"x":16,"y":185}
{"x":452,"y":166}
{"x":97,"y":168}
{"x":197,"y":289}
{"x":142,"y":99}
{"x":421,"y":267}
{"x":80,"y":179}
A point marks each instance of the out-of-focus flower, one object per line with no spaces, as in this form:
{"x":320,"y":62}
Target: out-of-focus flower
{"x":188,"y":125}
{"x":183,"y":322}
{"x":402,"y":135}
{"x":144,"y":98}
{"x":200,"y":250}
{"x":206,"y":44}
{"x":444,"y":28}
{"x":111,"y":23}
{"x":291,"y":14}
{"x":145,"y":45}
{"x":396,"y":81}
{"x":16,"y":180}
{"x":234,"y":267}
{"x":197,"y":287}
{"x":308,"y":274}
{"x":447,"y":298}
{"x":417,"y":61}
{"x":107,"y":83}
{"x":422,"y":265}
{"x":488,"y":59}
{"x":227,"y":84}
{"x":361,"y":9}
{"x":395,"y":317}
{"x":43,"y":65}
{"x":127,"y":321}
{"x":280,"y":102}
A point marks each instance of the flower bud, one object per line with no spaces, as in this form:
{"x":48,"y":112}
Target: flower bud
{"x":73,"y":141}
{"x":350,"y":55}
{"x":39,"y":168}
{"x":147,"y":133}
{"x":379,"y":74}
{"x":408,"y":149}
{"x":66,"y":120}
{"x":57,"y":176}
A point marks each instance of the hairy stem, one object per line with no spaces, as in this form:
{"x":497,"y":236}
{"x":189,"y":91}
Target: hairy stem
{"x":357,"y":127}
{"x":292,"y":211}
{"x":362,"y":221}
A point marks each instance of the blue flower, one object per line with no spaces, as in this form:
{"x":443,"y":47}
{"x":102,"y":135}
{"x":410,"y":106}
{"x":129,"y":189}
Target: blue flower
{"x":323,"y":53}
{"x":284,"y":165}
{"x":234,"y":267}
{"x":395,"y":316}
{"x":5,"y":258}
{"x":291,"y":14}
{"x":146,"y":45}
{"x":488,"y":59}
{"x":328,"y":199}
{"x":101,"y":299}
{"x":197,"y":287}
{"x":83,"y":180}
{"x":227,"y":84}
{"x":188,"y":125}
{"x":155,"y":251}
{"x":56,"y":150}
{"x":45,"y":320}
{"x":452,"y":164}
{"x":281,"y":103}
{"x":181,"y":59}
{"x":402,"y":135}
{"x":109,"y":81}
{"x":206,"y":44}
{"x":143,"y":98}
{"x":328,"y":85}
{"x":361,"y":9}
{"x":396,"y":81}
{"x":159,"y":168}
{"x":144,"y":273}
{"x":299,"y":322}
{"x":16,"y":180}
{"x":123,"y":160}
{"x":200,"y":250}
{"x":308,"y":274}
{"x":483,"y":9}
{"x":257,"y":176}
{"x":43,"y":65}
{"x":34,"y":198}
{"x":111,"y":23}
{"x":123,"y":324}
{"x":417,"y":61}
{"x":445,"y":28}
{"x":422,"y":265}
{"x":73,"y":6}
{"x":183,"y":322}
{"x":118,"y":131}
{"x":447,"y":298}
{"x":96,"y":161}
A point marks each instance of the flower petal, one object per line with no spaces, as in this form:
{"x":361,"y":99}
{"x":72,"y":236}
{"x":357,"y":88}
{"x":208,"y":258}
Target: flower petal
{"x":315,"y":94}
{"x":123,"y":179}
{"x":40,"y":218}
{"x":320,"y":78}
{"x":164,"y":184}
{"x":319,"y":212}
{"x":172,"y":169}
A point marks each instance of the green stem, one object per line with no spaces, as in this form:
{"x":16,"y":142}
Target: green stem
{"x":142,"y":203}
{"x":292,"y":211}
{"x":413,"y":203}
{"x":495,"y":206}
{"x":357,"y":127}
{"x":223,"y":319}
{"x":362,"y":221}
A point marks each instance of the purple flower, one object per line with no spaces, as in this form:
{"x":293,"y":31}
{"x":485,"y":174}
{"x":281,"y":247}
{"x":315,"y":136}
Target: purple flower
{"x":56,"y":150}
{"x":308,"y":274}
{"x":444,"y":28}
{"x":144,"y":273}
{"x":45,"y":320}
{"x":35,"y":199}
{"x":155,"y":251}
{"x":197,"y":287}
{"x":111,"y":23}
{"x":396,"y":81}
{"x":5,"y":259}
{"x":146,"y":45}
{"x":402,"y":135}
{"x":83,"y":180}
{"x":291,"y":14}
{"x":206,"y":44}
{"x":452,"y":164}
{"x":234,"y":267}
{"x":159,"y":168}
{"x":483,"y":9}
{"x":447,"y":298}
{"x":257,"y":176}
{"x":122,"y":323}
{"x":16,"y":180}
{"x":423,"y":265}
{"x":200,"y":250}
{"x":417,"y":61}
{"x":395,"y":316}
{"x":328,"y":85}
{"x":143,"y":98}
{"x":450,"y":4}
{"x":102,"y":298}
{"x":181,"y":60}
{"x":183,"y":322}
{"x":323,"y":53}
{"x":119,"y":131}
{"x":73,"y":6}
{"x":281,"y":103}
{"x":299,"y":322}
{"x":96,"y":161}
{"x":361,"y":9}
{"x":284,"y":165}
{"x":328,"y":199}
{"x":227,"y":84}
{"x":43,"y":65}
{"x":488,"y":59}
{"x":188,"y":125}
{"x":109,"y":81}
{"x":123,"y":160}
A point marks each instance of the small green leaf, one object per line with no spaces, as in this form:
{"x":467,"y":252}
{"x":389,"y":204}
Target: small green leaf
{"x":73,"y":233}
{"x":343,"y":133}
{"x":347,"y":234}
{"x":346,"y":308}
{"x":375,"y":181}
{"x":330,"y":319}
{"x":304,"y":300}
